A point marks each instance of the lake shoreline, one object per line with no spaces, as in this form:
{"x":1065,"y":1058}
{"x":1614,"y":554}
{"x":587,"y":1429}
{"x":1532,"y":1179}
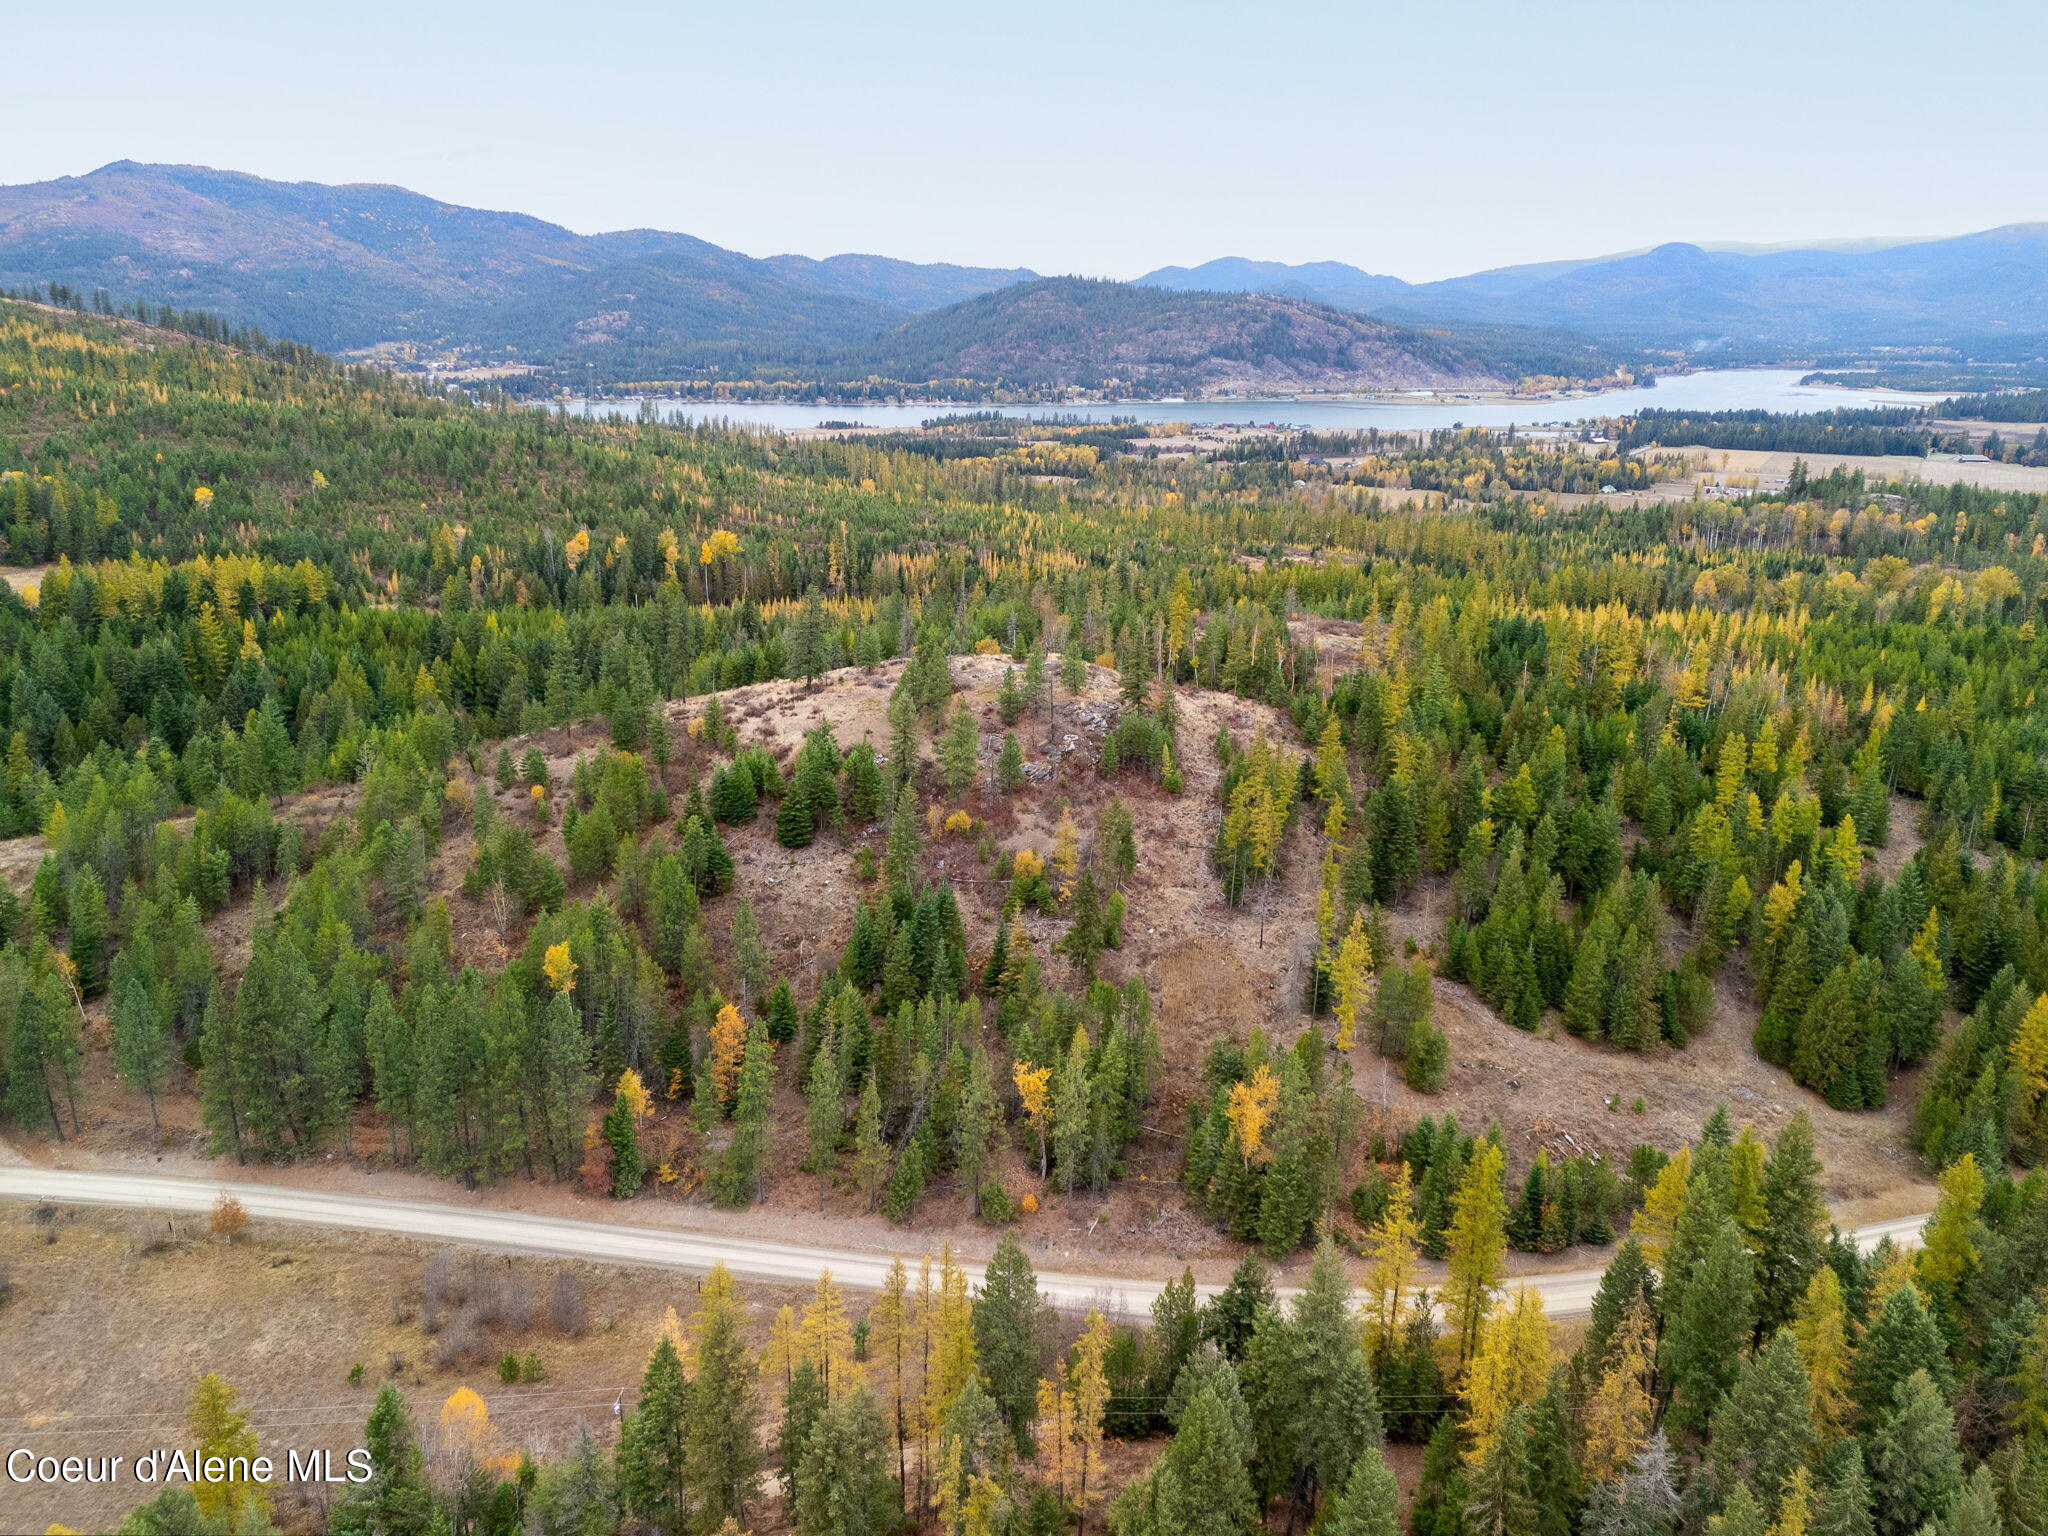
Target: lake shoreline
{"x":1699,"y":389}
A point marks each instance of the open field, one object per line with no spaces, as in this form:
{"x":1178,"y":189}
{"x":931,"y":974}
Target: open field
{"x":1771,"y":469}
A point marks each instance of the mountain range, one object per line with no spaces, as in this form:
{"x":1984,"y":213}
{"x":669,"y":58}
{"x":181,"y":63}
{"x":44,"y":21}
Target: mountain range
{"x":1967,"y":290}
{"x":385,"y":272}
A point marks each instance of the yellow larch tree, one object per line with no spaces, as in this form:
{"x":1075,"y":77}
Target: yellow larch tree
{"x":1394,"y":1250}
{"x":1655,"y":1223}
{"x":1949,"y":1249}
{"x":1066,"y":849}
{"x":728,"y":1052}
{"x":717,"y":1299}
{"x":466,"y":1442}
{"x":1508,"y":1371}
{"x":1477,"y":1242}
{"x":220,"y":1429}
{"x":638,"y":1100}
{"x":1820,"y":1327}
{"x":1059,"y":1448}
{"x":824,"y":1338}
{"x":1795,"y":1508}
{"x":1746,"y":1188}
{"x":1091,"y":1402}
{"x":1250,"y":1110}
{"x":950,"y":1363}
{"x":893,"y":1351}
{"x":2028,"y":1054}
{"x":1900,"y":1267}
{"x":779,"y":1358}
{"x":1623,"y":1408}
{"x":1352,"y":975}
{"x":1034,"y":1092}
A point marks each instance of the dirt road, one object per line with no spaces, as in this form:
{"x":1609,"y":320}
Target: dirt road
{"x":1564,"y":1295}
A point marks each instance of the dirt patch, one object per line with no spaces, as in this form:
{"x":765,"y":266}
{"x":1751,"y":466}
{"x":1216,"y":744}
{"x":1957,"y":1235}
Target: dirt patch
{"x":1215,"y":972}
{"x":285,"y":1317}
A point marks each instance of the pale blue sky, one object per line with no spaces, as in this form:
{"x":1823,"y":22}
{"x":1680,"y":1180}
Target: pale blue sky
{"x":1420,"y":138}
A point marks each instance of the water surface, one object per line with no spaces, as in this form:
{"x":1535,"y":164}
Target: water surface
{"x":1771,"y":389}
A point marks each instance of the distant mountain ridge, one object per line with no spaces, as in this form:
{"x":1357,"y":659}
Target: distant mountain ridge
{"x":1824,"y":294}
{"x":353,"y":267}
{"x":915,"y":286}
{"x":382,"y":270}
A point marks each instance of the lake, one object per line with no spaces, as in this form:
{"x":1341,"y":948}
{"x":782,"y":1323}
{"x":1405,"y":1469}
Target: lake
{"x":1770,"y":389}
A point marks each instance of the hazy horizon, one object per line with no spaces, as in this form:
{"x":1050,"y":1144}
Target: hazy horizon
{"x":1105,"y":142}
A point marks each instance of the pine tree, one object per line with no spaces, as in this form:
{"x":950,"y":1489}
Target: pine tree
{"x":1201,"y":1487}
{"x":1975,"y":1511}
{"x":744,"y":1166}
{"x":1369,"y":1504}
{"x":824,"y":1111}
{"x":652,"y":1445}
{"x":1711,"y":1323}
{"x":396,"y":1500}
{"x":1010,"y":765}
{"x":1915,"y":1469}
{"x":1555,"y":1481}
{"x":1011,"y":1323}
{"x":622,"y":1137}
{"x":1903,"y":1338}
{"x":1789,"y":1245}
{"x":1763,"y":1428}
{"x":1229,"y":1320}
{"x":844,"y":1487}
{"x":870,"y":1150}
{"x":1501,"y":1503}
{"x":959,"y":750}
{"x":1308,"y":1386}
{"x":142,"y":1041}
{"x":1846,"y":1500}
{"x":722,"y":1460}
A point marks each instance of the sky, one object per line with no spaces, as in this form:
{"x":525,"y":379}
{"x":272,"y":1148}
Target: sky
{"x":1421,"y":138}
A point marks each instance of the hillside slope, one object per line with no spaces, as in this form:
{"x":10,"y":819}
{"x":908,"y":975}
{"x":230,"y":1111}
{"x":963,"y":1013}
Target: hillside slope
{"x":384,"y":271}
{"x":349,"y":267}
{"x":1074,"y":331}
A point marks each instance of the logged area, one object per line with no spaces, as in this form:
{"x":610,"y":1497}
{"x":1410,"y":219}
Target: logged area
{"x":1322,"y":880}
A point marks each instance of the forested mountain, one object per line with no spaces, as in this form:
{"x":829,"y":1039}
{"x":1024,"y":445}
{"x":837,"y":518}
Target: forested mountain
{"x":1967,"y":291}
{"x":910,"y":285}
{"x":1079,"y":331}
{"x":350,"y":267}
{"x":382,"y":270}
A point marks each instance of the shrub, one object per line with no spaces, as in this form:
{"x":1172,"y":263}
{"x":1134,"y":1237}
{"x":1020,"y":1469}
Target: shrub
{"x":229,"y":1220}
